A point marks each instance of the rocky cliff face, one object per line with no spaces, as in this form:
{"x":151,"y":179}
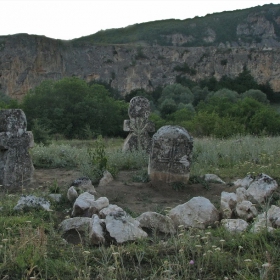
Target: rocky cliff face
{"x":27,"y":60}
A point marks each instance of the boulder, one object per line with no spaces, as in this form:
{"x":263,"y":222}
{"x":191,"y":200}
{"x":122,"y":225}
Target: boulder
{"x":241,"y":194}
{"x":82,"y":204}
{"x":245,"y":182}
{"x":156,"y":221}
{"x":31,"y":201}
{"x":106,"y":179}
{"x":228,"y":203}
{"x":123,"y":227}
{"x":261,"y":223}
{"x":261,"y":188}
{"x":98,"y":205}
{"x":234,"y":225}
{"x":273,"y":215}
{"x":246,"y":210}
{"x":84,"y":184}
{"x":80,"y":224}
{"x":198,"y":212}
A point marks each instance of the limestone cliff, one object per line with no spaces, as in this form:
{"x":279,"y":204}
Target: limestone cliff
{"x":27,"y":60}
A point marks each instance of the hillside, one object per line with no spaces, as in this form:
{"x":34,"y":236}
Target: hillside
{"x":151,"y":54}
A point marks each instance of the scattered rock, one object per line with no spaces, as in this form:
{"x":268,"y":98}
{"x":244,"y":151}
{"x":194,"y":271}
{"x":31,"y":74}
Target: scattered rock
{"x":198,"y":212}
{"x":96,"y":233}
{"x":246,"y":210}
{"x":213,"y":178}
{"x":228,"y":204}
{"x":82,"y":204}
{"x":31,"y":201}
{"x":84,"y":184}
{"x":72,"y":194}
{"x":107,"y":210}
{"x":234,"y":225}
{"x":55,"y":197}
{"x":245,"y":182}
{"x":81,"y":224}
{"x":106,"y":179}
{"x":123,"y":227}
{"x":273,"y":215}
{"x":261,"y":188}
{"x":241,"y":194}
{"x":97,"y":205}
{"x":156,"y":221}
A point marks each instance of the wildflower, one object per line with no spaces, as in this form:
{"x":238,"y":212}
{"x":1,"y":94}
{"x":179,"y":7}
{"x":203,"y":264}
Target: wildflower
{"x":191,"y":262}
{"x":240,"y":247}
{"x":266,"y":265}
{"x":204,"y":237}
{"x":218,"y":249}
{"x":181,"y":251}
{"x":198,"y":246}
{"x":180,"y":234}
{"x":5,"y":240}
{"x":214,"y":246}
{"x":197,"y":236}
{"x":222,"y":240}
{"x":247,"y":260}
{"x":208,"y":233}
{"x":28,"y":222}
{"x":86,"y":252}
{"x":115,"y":253}
{"x":181,"y":226}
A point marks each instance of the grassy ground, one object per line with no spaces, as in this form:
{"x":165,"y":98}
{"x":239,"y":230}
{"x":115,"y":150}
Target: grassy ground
{"x":32,"y":248}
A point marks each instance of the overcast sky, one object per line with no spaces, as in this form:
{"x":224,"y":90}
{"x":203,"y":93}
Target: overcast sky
{"x":68,"y":19}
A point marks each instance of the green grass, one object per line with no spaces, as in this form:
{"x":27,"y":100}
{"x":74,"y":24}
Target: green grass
{"x":32,"y":248}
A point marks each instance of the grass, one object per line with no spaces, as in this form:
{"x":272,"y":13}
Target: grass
{"x":32,"y":248}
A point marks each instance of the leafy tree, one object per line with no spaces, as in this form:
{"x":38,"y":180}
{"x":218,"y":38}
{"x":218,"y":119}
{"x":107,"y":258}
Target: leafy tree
{"x":225,"y":94}
{"x":255,"y":94}
{"x":167,"y":107}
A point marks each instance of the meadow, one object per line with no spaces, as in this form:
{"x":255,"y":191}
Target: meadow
{"x":32,"y":248}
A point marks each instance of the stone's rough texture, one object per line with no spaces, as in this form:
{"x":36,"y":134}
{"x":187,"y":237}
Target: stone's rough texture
{"x":77,"y":223}
{"x":107,"y":210}
{"x":98,"y":205}
{"x":213,"y":178}
{"x":262,"y":223}
{"x":82,"y":204}
{"x":198,"y":212}
{"x":31,"y":201}
{"x":246,"y":210}
{"x":96,"y":233}
{"x":84,"y":184}
{"x":16,"y":168}
{"x":241,"y":194}
{"x":156,"y":221}
{"x":234,"y":225}
{"x":139,"y":126}
{"x":170,"y":157}
{"x":273,"y":215}
{"x":72,"y":194}
{"x":123,"y":228}
{"x":106,"y":179}
{"x":245,"y":182}
{"x":261,"y":188}
{"x":228,"y":203}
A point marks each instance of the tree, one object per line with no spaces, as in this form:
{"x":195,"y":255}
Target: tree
{"x":255,"y":94}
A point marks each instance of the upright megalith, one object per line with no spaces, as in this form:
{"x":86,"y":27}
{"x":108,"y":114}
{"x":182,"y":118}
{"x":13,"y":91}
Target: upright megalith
{"x":138,"y":125}
{"x":16,"y":168}
{"x":170,"y":156}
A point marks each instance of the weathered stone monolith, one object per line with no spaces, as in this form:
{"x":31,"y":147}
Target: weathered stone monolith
{"x":139,"y":125}
{"x":16,"y":168}
{"x":170,"y":156}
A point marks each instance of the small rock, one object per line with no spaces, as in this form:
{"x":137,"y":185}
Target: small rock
{"x":234,"y":225}
{"x":228,"y":203}
{"x":72,"y":194}
{"x":106,"y":179}
{"x":246,"y":210}
{"x":82,"y":204}
{"x":81,"y":224}
{"x":31,"y":201}
{"x":96,"y":234}
{"x":123,"y":228}
{"x":156,"y":221}
{"x":241,"y":194}
{"x":55,"y":197}
{"x":245,"y":182}
{"x":213,"y":178}
{"x":98,"y":205}
{"x":107,"y":210}
{"x":261,"y":222}
{"x":84,"y":184}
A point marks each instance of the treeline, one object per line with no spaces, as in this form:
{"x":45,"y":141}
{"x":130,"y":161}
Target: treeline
{"x":71,"y":108}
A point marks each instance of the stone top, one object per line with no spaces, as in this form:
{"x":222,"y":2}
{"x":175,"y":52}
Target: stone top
{"x":13,"y":121}
{"x":172,"y":132}
{"x":139,"y":107}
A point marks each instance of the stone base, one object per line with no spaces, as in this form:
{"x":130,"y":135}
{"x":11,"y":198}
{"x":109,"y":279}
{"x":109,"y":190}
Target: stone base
{"x":164,"y":178}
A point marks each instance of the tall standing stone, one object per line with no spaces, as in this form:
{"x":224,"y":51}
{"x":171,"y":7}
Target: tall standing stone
{"x":16,"y":168}
{"x":170,"y":156}
{"x":139,"y":125}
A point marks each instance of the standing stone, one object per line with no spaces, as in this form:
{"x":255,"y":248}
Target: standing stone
{"x":139,"y":125}
{"x":16,"y":168}
{"x":170,"y":156}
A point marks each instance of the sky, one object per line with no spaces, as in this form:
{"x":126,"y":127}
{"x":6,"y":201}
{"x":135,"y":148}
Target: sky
{"x":69,"y":19}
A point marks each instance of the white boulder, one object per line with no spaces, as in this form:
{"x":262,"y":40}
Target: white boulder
{"x":198,"y":212}
{"x":246,"y":210}
{"x":107,"y":210}
{"x":123,"y":227}
{"x":80,"y":224}
{"x":96,"y":233}
{"x":213,"y":178}
{"x":106,"y":179}
{"x":245,"y":182}
{"x":72,"y":194}
{"x":83,"y":202}
{"x":234,"y":225}
{"x":31,"y":201}
{"x":98,"y":205}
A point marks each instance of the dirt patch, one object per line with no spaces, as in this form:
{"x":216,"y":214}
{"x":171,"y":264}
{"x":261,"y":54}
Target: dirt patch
{"x":133,"y":197}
